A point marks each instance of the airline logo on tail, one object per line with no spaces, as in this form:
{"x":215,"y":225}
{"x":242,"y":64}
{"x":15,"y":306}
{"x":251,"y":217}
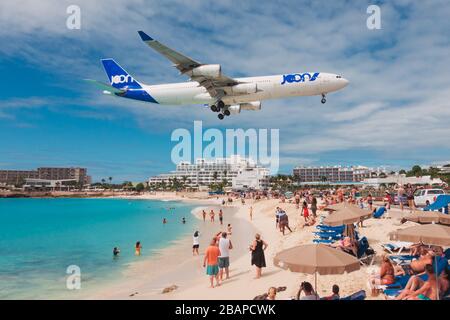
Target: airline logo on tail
{"x":118,"y":77}
{"x":123,"y":78}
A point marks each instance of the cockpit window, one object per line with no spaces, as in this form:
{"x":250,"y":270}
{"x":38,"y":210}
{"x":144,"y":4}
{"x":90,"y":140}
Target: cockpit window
{"x":338,"y":77}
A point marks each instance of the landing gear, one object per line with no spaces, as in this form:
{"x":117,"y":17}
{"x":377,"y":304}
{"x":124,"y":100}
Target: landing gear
{"x":214,"y":108}
{"x":323,"y":98}
{"x":220,"y":104}
{"x":227,"y":112}
{"x":220,"y":116}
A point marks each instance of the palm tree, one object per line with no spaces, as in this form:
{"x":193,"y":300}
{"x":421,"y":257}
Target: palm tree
{"x":103,"y":183}
{"x":110,"y":179}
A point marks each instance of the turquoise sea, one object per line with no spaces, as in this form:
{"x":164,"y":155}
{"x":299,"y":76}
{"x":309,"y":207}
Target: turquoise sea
{"x":40,"y":238}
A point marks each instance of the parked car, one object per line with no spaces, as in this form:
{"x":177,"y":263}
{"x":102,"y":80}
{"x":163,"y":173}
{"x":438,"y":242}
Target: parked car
{"x":421,"y":196}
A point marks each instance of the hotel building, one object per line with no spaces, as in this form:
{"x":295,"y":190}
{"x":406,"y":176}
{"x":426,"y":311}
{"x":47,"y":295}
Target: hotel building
{"x":332,"y":174}
{"x":237,"y":171}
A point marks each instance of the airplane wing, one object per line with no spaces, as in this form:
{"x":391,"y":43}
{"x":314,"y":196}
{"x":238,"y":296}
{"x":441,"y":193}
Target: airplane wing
{"x":214,"y":85}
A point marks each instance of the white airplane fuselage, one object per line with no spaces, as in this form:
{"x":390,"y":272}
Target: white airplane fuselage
{"x":268,"y":87}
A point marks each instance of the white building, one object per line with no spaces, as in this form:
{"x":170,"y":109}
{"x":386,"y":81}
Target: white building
{"x":402,"y":179}
{"x":334,"y":174}
{"x":251,"y":178}
{"x":206,"y":172}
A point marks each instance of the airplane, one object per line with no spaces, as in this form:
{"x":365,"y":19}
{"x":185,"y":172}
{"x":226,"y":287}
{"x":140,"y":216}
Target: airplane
{"x":212,"y":88}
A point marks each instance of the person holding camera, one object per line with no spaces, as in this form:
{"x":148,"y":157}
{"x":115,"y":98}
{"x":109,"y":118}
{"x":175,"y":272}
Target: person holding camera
{"x":309,"y":293}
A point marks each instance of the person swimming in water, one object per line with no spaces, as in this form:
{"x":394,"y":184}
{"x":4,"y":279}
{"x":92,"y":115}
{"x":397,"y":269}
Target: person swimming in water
{"x":164,"y":221}
{"x":116,"y":251}
{"x":183,"y":220}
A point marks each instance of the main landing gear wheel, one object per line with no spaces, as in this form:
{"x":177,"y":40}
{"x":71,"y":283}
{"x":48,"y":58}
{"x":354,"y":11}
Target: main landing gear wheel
{"x":323,"y":99}
{"x":220,"y":104}
{"x":214,"y":108}
{"x":227,"y":112}
{"x":220,"y":116}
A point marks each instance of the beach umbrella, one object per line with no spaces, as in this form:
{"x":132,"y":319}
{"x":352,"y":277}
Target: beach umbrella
{"x":429,"y":217}
{"x":316,"y":259}
{"x":346,"y":214}
{"x":430,"y":234}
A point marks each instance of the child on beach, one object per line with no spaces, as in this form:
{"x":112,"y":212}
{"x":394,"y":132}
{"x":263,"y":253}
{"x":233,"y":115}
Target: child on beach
{"x":195,"y":243}
{"x":229,"y":229}
{"x":305,"y":211}
{"x":211,"y":262}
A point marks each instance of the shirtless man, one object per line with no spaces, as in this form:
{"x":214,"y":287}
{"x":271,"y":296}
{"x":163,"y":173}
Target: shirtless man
{"x":427,"y":291}
{"x":418,"y":266}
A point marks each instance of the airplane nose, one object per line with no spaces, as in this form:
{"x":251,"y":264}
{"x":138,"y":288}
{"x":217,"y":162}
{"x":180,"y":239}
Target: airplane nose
{"x":345,"y":82}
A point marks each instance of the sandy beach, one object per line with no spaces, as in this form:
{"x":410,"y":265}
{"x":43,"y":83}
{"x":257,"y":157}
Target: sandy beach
{"x":175,"y":265}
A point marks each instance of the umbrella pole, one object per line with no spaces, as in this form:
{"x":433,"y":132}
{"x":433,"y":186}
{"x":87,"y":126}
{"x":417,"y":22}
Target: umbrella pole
{"x":315,"y":282}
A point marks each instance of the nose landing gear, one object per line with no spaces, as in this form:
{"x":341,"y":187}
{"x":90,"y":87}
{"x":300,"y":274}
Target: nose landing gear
{"x":323,"y":98}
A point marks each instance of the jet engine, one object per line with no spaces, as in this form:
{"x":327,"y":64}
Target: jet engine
{"x":235,"y":109}
{"x":207,"y":70}
{"x":244,"y":88}
{"x":253,"y":105}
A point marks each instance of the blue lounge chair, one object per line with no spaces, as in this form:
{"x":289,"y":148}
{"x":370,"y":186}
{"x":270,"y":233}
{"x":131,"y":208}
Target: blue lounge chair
{"x":442,"y":201}
{"x":360,"y":295}
{"x":339,"y":229}
{"x":447,"y":253}
{"x":328,"y":235}
{"x":325,"y":241}
{"x":379,"y":213}
{"x":362,"y":253}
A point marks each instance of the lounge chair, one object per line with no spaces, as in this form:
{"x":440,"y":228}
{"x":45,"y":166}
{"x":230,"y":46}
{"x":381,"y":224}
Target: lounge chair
{"x":360,"y":295}
{"x":339,"y":229}
{"x":379,"y":213}
{"x":324,"y":241}
{"x":365,"y":254}
{"x":328,"y":235}
{"x":396,"y":247}
{"x":402,"y":259}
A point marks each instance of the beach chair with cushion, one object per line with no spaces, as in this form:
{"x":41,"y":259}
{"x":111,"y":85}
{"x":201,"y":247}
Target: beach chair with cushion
{"x":328,"y":235}
{"x":396,"y":247}
{"x":447,"y":253}
{"x":379,"y":213}
{"x":338,"y":229}
{"x":402,"y":259}
{"x":366,"y":254}
{"x":324,"y":241}
{"x":360,"y":295}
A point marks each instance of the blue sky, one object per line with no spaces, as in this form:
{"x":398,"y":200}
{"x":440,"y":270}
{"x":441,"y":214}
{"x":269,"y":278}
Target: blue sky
{"x":394,"y":112}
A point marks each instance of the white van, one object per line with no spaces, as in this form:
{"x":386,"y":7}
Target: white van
{"x":421,"y":196}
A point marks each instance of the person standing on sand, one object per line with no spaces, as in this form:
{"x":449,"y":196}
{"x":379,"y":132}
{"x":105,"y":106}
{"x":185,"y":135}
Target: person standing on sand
{"x":305,"y":211}
{"x":225,"y":246}
{"x":195,"y":243}
{"x":211,"y":215}
{"x":251,"y":213}
{"x":137,"y":248}
{"x":211,"y":263}
{"x":314,"y":207}
{"x":204,"y":215}
{"x":258,"y":259}
{"x":229,"y":229}
{"x":221,"y":216}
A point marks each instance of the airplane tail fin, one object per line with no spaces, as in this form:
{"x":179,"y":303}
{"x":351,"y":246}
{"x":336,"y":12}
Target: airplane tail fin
{"x":118,"y":77}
